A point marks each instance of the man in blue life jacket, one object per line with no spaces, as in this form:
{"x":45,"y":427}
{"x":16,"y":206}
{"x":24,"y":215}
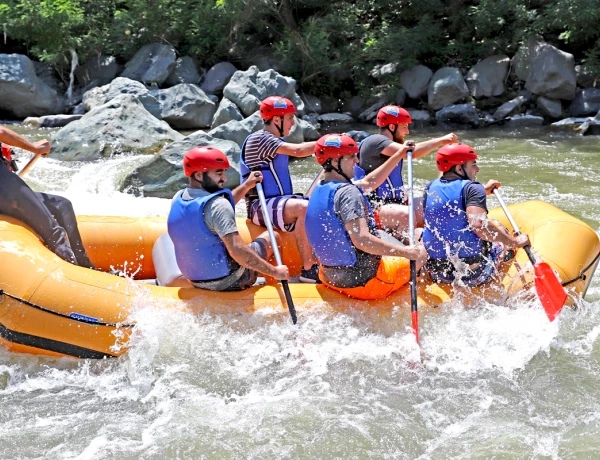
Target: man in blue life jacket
{"x":388,"y":201}
{"x":353,"y":256}
{"x":51,"y":216}
{"x":458,"y":236}
{"x":266,"y":151}
{"x":208,"y":247}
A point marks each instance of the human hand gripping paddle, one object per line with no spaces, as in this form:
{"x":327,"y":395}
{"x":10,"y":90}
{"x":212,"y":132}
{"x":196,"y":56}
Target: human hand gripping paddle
{"x":286,"y":287}
{"x":411,"y":234}
{"x":549,"y":289}
{"x":39,"y":148}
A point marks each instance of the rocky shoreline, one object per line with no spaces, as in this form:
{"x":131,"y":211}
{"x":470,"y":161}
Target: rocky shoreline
{"x":139,"y":108}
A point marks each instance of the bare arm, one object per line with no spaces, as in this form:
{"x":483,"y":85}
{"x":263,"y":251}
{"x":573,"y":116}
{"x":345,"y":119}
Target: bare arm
{"x":422,"y":148}
{"x":246,"y":257}
{"x":487,"y":230}
{"x":13,"y":139}
{"x":376,"y":177}
{"x":366,"y":242}
{"x":305,"y":149}
{"x":240,"y":191}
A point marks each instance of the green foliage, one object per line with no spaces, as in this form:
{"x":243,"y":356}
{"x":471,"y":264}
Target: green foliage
{"x":329,"y":47}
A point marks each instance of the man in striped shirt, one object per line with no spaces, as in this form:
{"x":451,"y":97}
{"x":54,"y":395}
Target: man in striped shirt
{"x":267,"y":152}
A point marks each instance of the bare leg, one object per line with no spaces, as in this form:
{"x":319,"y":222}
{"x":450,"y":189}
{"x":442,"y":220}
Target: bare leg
{"x":295,"y":211}
{"x":394,"y":218}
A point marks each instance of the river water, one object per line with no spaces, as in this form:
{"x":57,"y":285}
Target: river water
{"x":494,"y":382}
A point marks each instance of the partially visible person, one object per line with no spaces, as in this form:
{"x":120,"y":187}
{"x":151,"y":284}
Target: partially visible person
{"x":208,"y":247}
{"x":389,"y":200}
{"x":458,"y":236}
{"x":266,"y":151}
{"x":51,"y":216}
{"x":354,"y":258}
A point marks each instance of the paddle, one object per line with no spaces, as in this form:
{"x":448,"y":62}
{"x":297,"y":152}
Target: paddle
{"x":314,"y":183}
{"x":286,"y":287}
{"x":28,"y":166}
{"x":413,"y":263}
{"x":547,"y":285}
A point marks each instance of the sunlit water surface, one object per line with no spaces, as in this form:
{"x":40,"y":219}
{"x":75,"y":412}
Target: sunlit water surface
{"x":493,"y":382}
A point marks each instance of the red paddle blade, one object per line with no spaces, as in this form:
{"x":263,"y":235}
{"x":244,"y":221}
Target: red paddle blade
{"x":415,"y":325}
{"x":551,"y":293}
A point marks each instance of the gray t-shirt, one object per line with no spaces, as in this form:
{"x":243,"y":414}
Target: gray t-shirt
{"x":349,"y":204}
{"x":370,"y":157}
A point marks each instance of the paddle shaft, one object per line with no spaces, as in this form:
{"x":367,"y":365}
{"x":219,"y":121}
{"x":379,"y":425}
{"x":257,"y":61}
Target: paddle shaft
{"x":514,"y":224}
{"x":411,"y":236}
{"x":314,"y":183}
{"x":286,"y":287}
{"x":28,"y":166}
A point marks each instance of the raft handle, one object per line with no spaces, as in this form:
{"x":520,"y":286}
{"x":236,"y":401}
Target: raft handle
{"x":582,"y":275}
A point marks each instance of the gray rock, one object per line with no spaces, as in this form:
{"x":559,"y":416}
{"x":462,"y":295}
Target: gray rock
{"x":370,"y":113}
{"x":385,"y":70}
{"x":79,"y":109}
{"x":50,"y":121}
{"x":358,"y":136}
{"x":336,"y":118}
{"x":569,"y":122}
{"x":152,"y":64}
{"x":101,"y":69}
{"x":552,"y":73}
{"x":213,"y":98}
{"x":103,"y":94}
{"x":446,"y":87}
{"x":312,"y":104}
{"x":217,"y":77}
{"x":521,"y":61}
{"x":420,"y":117}
{"x":226,"y":112}
{"x":313,"y":119}
{"x":47,"y":74}
{"x":185,"y":106}
{"x":355,"y":106}
{"x":585,"y":79}
{"x":247,"y":89}
{"x":486,"y":78}
{"x":549,"y":107}
{"x":22,"y":92}
{"x":237,"y":131}
{"x":590,"y":126}
{"x":508,"y":107}
{"x":400,"y":97}
{"x":302,"y":131}
{"x":461,"y":114}
{"x":299,"y":104}
{"x":524,"y":120}
{"x":122,"y":125}
{"x":163,"y":175}
{"x":586,"y":102}
{"x":185,"y":71}
{"x":416,"y":81}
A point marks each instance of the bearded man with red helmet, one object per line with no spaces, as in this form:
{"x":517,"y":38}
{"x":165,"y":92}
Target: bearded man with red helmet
{"x":388,"y":200}
{"x":458,"y":236}
{"x":266,"y":151}
{"x":208,"y":247}
{"x":355,"y":258}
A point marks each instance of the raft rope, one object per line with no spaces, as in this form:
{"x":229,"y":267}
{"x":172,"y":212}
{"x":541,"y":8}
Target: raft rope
{"x":582,"y":275}
{"x":73,"y":316}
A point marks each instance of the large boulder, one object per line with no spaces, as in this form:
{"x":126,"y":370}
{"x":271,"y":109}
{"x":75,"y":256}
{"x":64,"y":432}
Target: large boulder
{"x":552,"y":73}
{"x":152,"y":64}
{"x":163,"y":175}
{"x":312,"y":104}
{"x":459,"y":114}
{"x":101,"y":95}
{"x":416,"y":81}
{"x":185,"y":106}
{"x":486,"y":78}
{"x":99,"y":69}
{"x":22,"y":92}
{"x":511,"y":106}
{"x":446,"y":87}
{"x":238,"y":131}
{"x":122,"y":125}
{"x":247,"y":89}
{"x":370,"y":113}
{"x":302,"y":131}
{"x":50,"y":121}
{"x":586,"y":102}
{"x":521,"y":61}
{"x":420,"y":117}
{"x":552,"y":108}
{"x":217,"y":77}
{"x":185,"y":71}
{"x":226,"y":112}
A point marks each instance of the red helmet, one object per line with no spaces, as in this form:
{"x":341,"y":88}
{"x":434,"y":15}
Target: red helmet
{"x":274,"y":106}
{"x":202,"y":159}
{"x":392,"y":115}
{"x":454,"y":154}
{"x":333,"y":146}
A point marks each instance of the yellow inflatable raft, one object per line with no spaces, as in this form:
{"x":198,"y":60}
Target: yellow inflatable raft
{"x":48,"y":306}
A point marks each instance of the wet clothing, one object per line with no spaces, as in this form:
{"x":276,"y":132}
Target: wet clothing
{"x":451,"y":244}
{"x":51,"y":216}
{"x":371,"y":157}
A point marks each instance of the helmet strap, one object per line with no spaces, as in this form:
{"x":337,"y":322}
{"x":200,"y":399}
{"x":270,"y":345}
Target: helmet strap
{"x":280,"y":128}
{"x":338,"y":169}
{"x":463,"y":176}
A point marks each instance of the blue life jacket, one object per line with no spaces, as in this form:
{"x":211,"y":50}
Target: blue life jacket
{"x":446,"y":223}
{"x":326,"y":232}
{"x":276,"y":174}
{"x":392,"y":188}
{"x":201,"y":255}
